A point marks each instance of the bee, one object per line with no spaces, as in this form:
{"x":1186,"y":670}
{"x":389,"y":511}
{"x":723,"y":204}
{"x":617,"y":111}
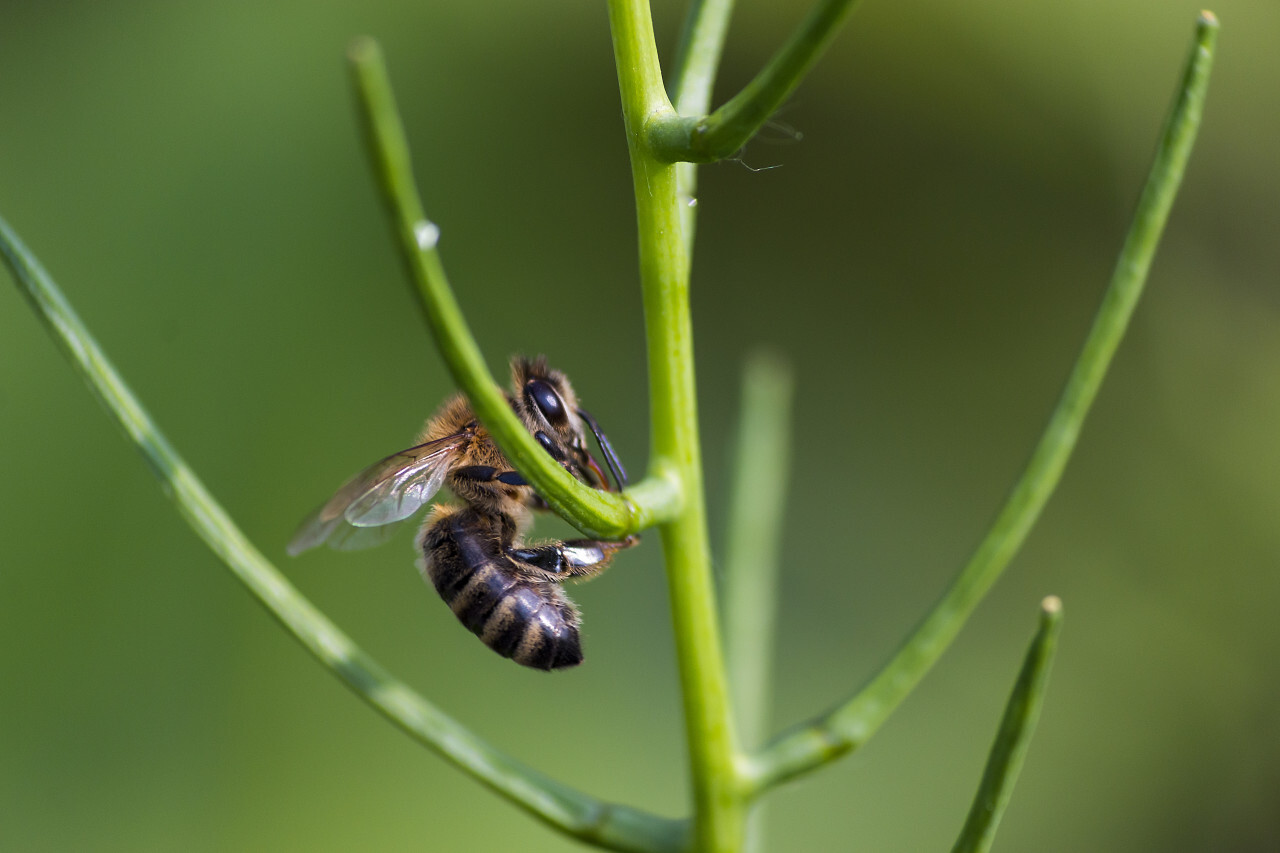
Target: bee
{"x":506,"y":592}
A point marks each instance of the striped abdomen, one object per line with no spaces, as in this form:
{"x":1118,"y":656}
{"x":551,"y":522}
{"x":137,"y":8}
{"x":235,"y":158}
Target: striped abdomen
{"x":519,"y":617}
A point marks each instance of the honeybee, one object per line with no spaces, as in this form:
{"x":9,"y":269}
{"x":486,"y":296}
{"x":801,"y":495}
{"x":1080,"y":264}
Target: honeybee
{"x":506,"y":592}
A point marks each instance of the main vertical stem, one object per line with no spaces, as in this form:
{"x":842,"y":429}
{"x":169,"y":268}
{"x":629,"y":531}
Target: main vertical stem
{"x":685,"y":544}
{"x":676,"y":452}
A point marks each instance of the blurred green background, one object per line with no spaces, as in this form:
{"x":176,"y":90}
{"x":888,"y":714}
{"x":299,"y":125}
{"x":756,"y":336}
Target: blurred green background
{"x":929,"y":256}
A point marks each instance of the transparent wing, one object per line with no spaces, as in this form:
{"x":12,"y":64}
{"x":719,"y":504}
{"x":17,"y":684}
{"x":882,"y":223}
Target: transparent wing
{"x":347,"y":538}
{"x":388,"y":491}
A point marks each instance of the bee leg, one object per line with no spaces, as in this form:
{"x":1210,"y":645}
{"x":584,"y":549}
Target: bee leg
{"x":487,"y":474}
{"x":577,"y":558}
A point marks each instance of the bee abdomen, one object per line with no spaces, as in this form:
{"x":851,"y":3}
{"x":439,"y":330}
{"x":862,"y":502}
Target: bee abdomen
{"x":532,"y":623}
{"x":533,"y":628}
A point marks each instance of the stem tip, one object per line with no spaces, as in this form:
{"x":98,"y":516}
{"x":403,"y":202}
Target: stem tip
{"x":362,"y":49}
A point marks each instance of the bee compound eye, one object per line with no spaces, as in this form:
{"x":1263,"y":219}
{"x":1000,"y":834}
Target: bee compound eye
{"x":547,"y":401}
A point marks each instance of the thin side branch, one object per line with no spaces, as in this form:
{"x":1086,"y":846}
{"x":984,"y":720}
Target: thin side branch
{"x":849,"y":725}
{"x":761,"y":465}
{"x":762,"y":462}
{"x":698,"y":56}
{"x":707,"y":138}
{"x":592,"y":511}
{"x":570,"y":811}
{"x":697,"y":61}
{"x":1016,"y":727}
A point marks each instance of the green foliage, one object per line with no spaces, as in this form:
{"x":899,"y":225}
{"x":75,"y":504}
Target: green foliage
{"x":726,"y":775}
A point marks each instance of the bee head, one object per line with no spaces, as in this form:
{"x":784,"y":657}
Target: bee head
{"x":546,"y":403}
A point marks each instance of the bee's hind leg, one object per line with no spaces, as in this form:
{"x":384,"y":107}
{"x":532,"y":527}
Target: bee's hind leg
{"x":576,"y":558}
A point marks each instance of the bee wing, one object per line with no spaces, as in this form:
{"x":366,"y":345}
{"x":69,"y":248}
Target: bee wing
{"x":397,"y":492}
{"x":388,"y":491}
{"x":347,"y":538}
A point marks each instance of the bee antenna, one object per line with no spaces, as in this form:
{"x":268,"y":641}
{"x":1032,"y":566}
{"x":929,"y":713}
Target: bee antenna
{"x":610,"y":458}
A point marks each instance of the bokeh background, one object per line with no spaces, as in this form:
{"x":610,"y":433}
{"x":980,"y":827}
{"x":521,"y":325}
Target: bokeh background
{"x":952,"y":185}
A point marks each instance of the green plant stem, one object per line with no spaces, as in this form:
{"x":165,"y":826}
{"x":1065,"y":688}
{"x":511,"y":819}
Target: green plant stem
{"x":850,"y":725}
{"x":697,"y":60}
{"x":572,"y":812}
{"x":594,"y":512}
{"x":756,"y":510}
{"x":706,"y":138}
{"x":702,"y":40}
{"x":1016,"y":727}
{"x":664,"y":277}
